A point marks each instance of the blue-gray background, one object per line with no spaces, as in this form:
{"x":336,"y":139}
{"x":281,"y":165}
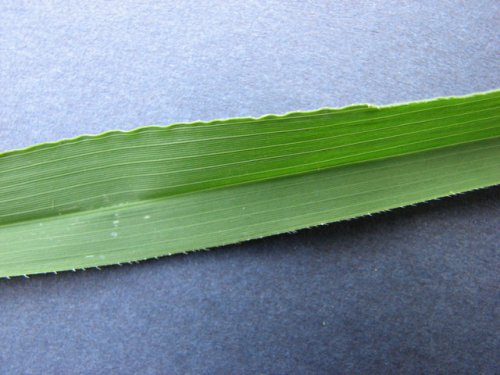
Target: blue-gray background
{"x":412,"y":291}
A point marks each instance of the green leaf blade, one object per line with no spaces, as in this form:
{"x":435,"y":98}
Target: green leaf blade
{"x":124,"y":196}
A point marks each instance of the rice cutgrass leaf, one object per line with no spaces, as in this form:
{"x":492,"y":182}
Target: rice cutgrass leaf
{"x":158,"y":190}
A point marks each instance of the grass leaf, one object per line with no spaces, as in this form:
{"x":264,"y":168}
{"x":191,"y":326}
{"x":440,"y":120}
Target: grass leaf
{"x":124,"y":196}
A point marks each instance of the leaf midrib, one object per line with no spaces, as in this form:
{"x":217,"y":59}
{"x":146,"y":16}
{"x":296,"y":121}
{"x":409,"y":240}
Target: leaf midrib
{"x":225,"y":218}
{"x":192,"y":192}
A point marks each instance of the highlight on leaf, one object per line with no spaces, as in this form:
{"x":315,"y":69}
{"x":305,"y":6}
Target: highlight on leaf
{"x":124,"y":196}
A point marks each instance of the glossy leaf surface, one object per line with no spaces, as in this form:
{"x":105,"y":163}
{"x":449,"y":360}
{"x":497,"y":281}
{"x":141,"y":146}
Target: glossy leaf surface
{"x":153,"y":191}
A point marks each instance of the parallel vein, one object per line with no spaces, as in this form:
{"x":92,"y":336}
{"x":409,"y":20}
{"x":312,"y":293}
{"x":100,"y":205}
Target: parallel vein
{"x":125,"y":196}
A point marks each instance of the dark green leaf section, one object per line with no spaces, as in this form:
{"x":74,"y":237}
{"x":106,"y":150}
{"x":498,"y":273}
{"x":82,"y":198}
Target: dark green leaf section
{"x":123,"y":196}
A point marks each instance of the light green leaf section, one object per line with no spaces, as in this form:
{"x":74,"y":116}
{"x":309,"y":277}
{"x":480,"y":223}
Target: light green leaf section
{"x":126,"y":196}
